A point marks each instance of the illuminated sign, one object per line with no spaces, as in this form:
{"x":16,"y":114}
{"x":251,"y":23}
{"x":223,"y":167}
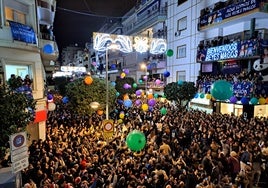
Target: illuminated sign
{"x":222,"y":52}
{"x":72,"y":69}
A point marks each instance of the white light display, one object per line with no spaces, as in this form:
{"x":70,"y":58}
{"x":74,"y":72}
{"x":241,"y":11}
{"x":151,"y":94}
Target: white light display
{"x":141,"y":44}
{"x":102,"y":41}
{"x":158,"y":46}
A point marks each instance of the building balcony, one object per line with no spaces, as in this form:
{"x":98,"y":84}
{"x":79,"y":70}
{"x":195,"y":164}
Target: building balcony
{"x":48,"y":50}
{"x":145,"y":20}
{"x":233,"y":13}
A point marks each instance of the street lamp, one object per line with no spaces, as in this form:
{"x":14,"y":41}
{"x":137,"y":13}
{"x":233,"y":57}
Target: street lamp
{"x":111,"y":46}
{"x":144,"y":67}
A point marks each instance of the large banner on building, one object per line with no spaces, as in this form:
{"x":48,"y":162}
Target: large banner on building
{"x":242,"y":49}
{"x":240,"y":89}
{"x":23,"y":33}
{"x":228,"y":12}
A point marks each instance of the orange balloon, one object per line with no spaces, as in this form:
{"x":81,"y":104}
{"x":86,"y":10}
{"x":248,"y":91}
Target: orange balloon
{"x":126,"y":97}
{"x":88,"y":80}
{"x":100,"y":112}
{"x":267,"y":100}
{"x":150,"y":96}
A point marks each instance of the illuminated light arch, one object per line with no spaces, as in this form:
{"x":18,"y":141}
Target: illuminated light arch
{"x":125,"y":44}
{"x":103,"y":40}
{"x":141,"y":44}
{"x":158,"y":46}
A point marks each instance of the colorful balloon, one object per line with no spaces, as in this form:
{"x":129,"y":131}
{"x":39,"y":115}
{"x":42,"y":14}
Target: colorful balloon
{"x":51,"y":106}
{"x":221,"y":90}
{"x":244,"y":100}
{"x":169,"y":52}
{"x":136,"y":140}
{"x":233,"y":99}
{"x":166,"y":74}
{"x":49,"y":97}
{"x":123,"y":75}
{"x":88,"y":80}
{"x":157,"y":82}
{"x":163,"y":111}
{"x":144,"y":107}
{"x":128,"y":103}
{"x":254,"y":100}
{"x":134,"y":85}
{"x":150,"y":96}
{"x":262,"y":100}
{"x":151,"y":102}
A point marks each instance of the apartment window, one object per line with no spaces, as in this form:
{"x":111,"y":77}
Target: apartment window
{"x":182,"y":24}
{"x":181,"y":1}
{"x":19,"y":71}
{"x":181,"y":75}
{"x":15,"y":11}
{"x":181,"y":51}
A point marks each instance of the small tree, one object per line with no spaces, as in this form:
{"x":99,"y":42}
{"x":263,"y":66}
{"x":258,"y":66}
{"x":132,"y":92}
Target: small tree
{"x":17,"y":108}
{"x":179,"y":92}
{"x":81,"y":95}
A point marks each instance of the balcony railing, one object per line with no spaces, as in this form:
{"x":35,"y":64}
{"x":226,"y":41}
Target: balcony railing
{"x":146,"y":19}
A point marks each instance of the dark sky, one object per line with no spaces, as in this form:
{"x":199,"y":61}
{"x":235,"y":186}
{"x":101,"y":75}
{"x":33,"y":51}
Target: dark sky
{"x":76,"y":20}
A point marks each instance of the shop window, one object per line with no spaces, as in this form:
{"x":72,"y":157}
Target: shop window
{"x":181,"y":51}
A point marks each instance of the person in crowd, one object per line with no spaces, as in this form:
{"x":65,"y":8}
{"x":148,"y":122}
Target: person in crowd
{"x":27,"y":81}
{"x":184,"y":149}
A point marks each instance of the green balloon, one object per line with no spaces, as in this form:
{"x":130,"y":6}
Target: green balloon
{"x":170,"y":53}
{"x":134,"y":85}
{"x":221,"y":90}
{"x":202,"y":95}
{"x":163,"y":111}
{"x":136,"y":140}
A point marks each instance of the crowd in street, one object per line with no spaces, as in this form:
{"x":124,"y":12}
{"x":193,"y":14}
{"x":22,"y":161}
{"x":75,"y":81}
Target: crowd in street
{"x":184,"y":148}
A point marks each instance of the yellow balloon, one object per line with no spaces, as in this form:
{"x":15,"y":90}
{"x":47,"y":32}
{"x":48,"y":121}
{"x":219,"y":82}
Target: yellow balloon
{"x":208,"y":96}
{"x":123,"y":75}
{"x":120,"y":121}
{"x":145,"y":107}
{"x":121,"y":116}
{"x":262,"y":100}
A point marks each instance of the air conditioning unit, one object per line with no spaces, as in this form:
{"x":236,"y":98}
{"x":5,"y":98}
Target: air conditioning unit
{"x":177,"y":33}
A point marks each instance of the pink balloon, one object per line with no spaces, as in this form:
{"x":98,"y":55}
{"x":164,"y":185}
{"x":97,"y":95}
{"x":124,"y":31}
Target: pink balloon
{"x":158,"y":82}
{"x":145,"y":77}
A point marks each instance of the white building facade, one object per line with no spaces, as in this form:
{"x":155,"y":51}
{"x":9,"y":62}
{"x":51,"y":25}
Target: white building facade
{"x":195,"y":24}
{"x":26,"y":49}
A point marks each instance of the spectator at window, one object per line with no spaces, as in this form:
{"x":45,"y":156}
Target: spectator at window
{"x":27,"y":81}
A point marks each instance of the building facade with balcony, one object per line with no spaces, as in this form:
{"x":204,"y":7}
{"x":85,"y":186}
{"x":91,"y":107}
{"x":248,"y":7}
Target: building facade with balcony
{"x":215,"y":40}
{"x":27,"y":49}
{"x":199,"y":30}
{"x":147,"y":19}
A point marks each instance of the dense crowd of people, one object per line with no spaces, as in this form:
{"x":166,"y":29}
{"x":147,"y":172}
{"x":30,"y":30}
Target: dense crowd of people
{"x":184,"y":148}
{"x":249,"y":82}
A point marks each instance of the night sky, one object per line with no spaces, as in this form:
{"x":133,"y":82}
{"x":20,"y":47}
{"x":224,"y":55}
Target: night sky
{"x":76,"y":20}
